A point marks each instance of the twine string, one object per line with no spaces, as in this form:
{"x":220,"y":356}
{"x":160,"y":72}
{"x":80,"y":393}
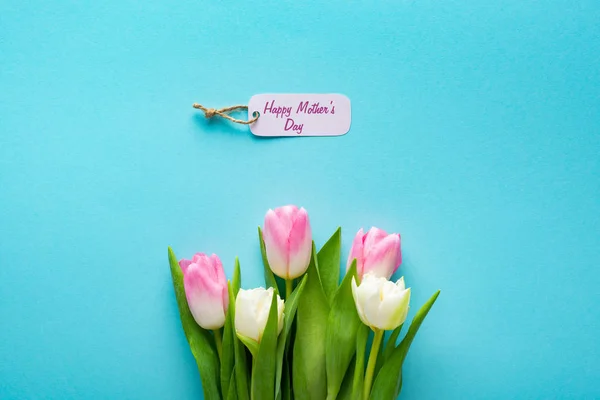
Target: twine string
{"x":224,"y":112}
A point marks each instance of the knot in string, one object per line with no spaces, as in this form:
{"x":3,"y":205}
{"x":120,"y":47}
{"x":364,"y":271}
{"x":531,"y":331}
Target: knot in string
{"x":209,"y":113}
{"x":224,"y":112}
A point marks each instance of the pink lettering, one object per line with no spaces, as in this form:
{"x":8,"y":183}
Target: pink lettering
{"x":314,"y":108}
{"x":289,"y":124}
{"x":302,"y":107}
{"x":279,"y":112}
{"x":269,"y":107}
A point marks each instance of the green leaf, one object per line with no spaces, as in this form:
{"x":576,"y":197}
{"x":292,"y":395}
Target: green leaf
{"x":345,"y":392}
{"x":399,"y":387}
{"x":415,"y":325}
{"x":329,"y":264}
{"x":263,"y":372}
{"x":391,"y":343}
{"x":388,"y":382}
{"x":290,"y":312}
{"x":308,"y":364}
{"x":340,"y":339}
{"x":270,"y":280}
{"x":251,"y":344}
{"x":240,"y":367}
{"x":385,"y":351}
{"x":200,"y":340}
{"x":228,"y":350}
{"x":286,"y":385}
{"x":237,"y":278}
{"x":231,"y":391}
{"x":362,"y":336}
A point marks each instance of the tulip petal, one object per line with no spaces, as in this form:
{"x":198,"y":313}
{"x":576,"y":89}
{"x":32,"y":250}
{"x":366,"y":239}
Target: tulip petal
{"x":263,"y":307}
{"x":299,"y":231}
{"x":300,"y":245}
{"x":368,"y":296}
{"x":221,"y":279}
{"x":286,"y":216}
{"x":400,"y":284}
{"x":202,"y":292}
{"x":356,"y":252}
{"x":399,"y":255}
{"x":358,"y":303}
{"x":245,"y":308}
{"x":394,"y":308}
{"x":276,"y":238}
{"x":373,"y":236}
{"x":381,"y":258}
{"x":371,"y":298}
{"x":184,"y":264}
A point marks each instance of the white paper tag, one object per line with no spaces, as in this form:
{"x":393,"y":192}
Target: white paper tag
{"x":300,"y":114}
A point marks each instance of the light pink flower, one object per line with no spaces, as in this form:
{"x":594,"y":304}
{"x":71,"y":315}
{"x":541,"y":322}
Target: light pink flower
{"x":288,"y":241}
{"x":206,"y":289}
{"x":376,"y":252}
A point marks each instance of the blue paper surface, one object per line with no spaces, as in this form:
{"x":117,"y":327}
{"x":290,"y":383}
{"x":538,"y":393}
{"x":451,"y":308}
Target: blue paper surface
{"x":475,"y":134}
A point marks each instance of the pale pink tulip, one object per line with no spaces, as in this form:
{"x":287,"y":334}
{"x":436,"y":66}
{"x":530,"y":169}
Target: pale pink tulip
{"x":206,"y":289}
{"x":376,"y":252}
{"x":288,"y":241}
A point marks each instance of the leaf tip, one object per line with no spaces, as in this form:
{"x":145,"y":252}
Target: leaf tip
{"x":172,"y":257}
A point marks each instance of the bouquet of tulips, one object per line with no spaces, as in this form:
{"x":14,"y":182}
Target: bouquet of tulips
{"x":305,"y":336}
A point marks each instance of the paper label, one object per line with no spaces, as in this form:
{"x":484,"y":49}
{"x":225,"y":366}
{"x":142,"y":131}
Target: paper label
{"x":300,"y":114}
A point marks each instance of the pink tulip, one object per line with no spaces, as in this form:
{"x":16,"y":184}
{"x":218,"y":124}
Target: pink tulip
{"x":375,"y":252}
{"x":288,"y":241}
{"x":206,"y":289}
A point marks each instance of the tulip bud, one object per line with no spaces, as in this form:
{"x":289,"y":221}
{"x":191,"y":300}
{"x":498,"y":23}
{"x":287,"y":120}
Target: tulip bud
{"x":206,"y":290}
{"x":375,"y":252}
{"x":288,"y":241}
{"x":381,"y":304}
{"x":252,"y":312}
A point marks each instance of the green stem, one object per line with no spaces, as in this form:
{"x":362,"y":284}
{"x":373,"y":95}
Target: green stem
{"x":288,"y":288}
{"x":219,"y":342}
{"x":372,"y":361}
{"x":252,"y":379}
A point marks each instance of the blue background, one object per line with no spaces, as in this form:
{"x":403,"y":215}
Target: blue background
{"x":475,"y":133}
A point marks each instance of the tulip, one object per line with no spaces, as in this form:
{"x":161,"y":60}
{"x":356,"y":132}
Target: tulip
{"x":375,"y":252}
{"x":252,"y":309}
{"x":288,"y":241}
{"x":381,"y":305}
{"x":206,"y":290}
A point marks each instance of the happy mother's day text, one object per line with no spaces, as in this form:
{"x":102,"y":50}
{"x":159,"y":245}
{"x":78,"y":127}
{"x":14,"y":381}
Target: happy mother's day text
{"x":304,"y":107}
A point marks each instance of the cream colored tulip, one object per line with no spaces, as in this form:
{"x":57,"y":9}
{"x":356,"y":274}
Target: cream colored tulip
{"x":252,"y":312}
{"x":381,"y":304}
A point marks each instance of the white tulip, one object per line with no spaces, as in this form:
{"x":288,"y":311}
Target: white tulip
{"x":381,"y":304}
{"x":252,"y":312}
